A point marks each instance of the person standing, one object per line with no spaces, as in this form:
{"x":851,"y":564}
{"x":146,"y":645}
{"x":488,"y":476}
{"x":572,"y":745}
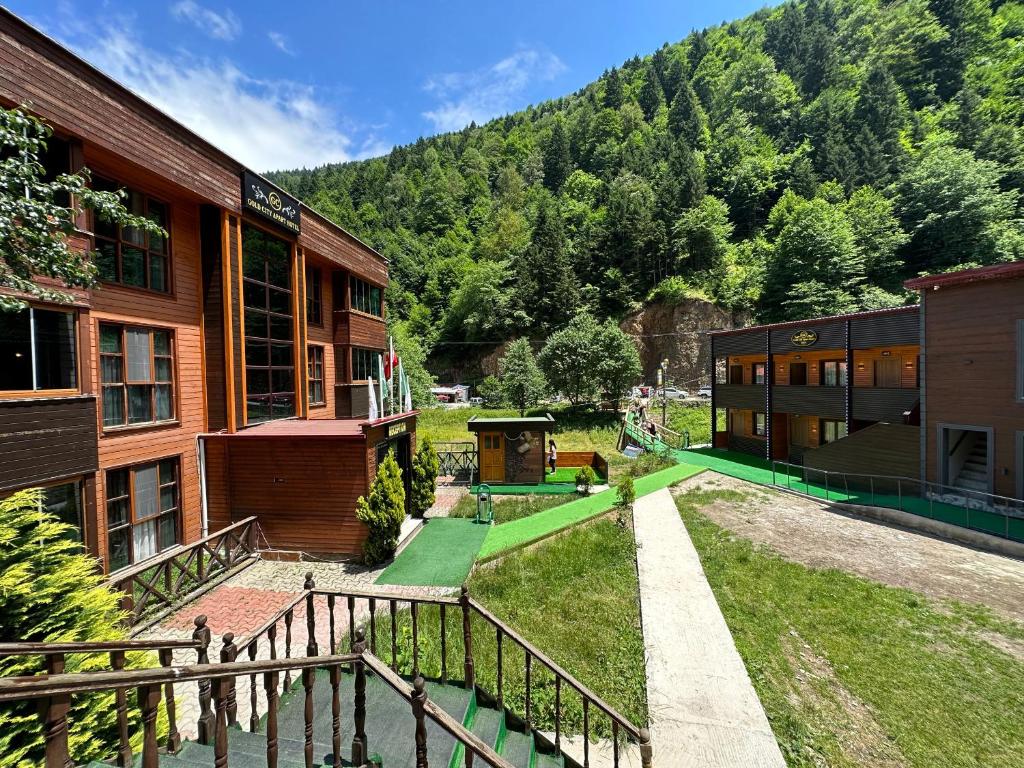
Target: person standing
{"x":552,"y":455}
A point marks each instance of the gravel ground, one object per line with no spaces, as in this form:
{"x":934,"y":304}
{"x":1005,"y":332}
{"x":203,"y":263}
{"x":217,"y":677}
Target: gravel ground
{"x":815,"y":535}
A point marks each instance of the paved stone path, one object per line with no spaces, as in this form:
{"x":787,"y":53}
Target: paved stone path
{"x":703,"y":708}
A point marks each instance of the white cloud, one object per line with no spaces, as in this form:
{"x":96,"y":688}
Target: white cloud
{"x":265,"y":124}
{"x":280,"y":42}
{"x":220,"y":26}
{"x":485,"y":93}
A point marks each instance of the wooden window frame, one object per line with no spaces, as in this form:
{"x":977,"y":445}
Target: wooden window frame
{"x":314,"y":296}
{"x":763,"y":432}
{"x":78,"y":480}
{"x":77,"y":389}
{"x":356,"y":286}
{"x":312,"y":351}
{"x":764,"y":373}
{"x":132,"y":520}
{"x":822,"y":431}
{"x":373,"y":365}
{"x":125,"y":383}
{"x":119,"y":242}
{"x":839,"y":375}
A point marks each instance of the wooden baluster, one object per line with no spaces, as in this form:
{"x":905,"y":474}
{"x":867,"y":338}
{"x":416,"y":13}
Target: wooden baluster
{"x":228,"y":653}
{"x":220,"y":728}
{"x":394,"y":635}
{"x":308,"y":679}
{"x":206,"y":717}
{"x":351,"y":620}
{"x":330,"y":613}
{"x":558,"y":715}
{"x":501,"y":670}
{"x":272,"y":639}
{"x":646,"y":752}
{"x":270,"y":686}
{"x":359,"y":746}
{"x":173,"y":743}
{"x":149,"y":703}
{"x":419,"y":700}
{"x":336,"y":716}
{"x":254,"y":719}
{"x":586,"y":733}
{"x":288,"y":616}
{"x":414,"y":610}
{"x":467,"y":639}
{"x":373,"y":626}
{"x":529,"y":665}
{"x":309,"y":586}
{"x":444,"y":648}
{"x":124,"y":747}
{"x":55,"y":719}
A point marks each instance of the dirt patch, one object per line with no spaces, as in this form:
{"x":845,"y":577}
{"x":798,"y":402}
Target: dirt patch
{"x":811,"y":533}
{"x":1005,"y":644}
{"x":850,"y":720}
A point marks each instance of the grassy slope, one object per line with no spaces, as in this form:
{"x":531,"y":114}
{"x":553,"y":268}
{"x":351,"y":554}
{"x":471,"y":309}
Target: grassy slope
{"x":587,"y":580}
{"x":937,"y":693}
{"x":508,"y":508}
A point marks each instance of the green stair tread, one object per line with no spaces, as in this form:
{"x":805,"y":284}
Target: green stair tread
{"x":487,"y":724}
{"x":542,"y":760}
{"x":291,"y":752}
{"x":518,"y":748}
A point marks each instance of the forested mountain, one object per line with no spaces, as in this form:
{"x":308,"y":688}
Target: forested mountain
{"x":802,"y":161}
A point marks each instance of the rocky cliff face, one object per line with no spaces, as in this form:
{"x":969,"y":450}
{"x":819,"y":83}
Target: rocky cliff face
{"x":679,"y":333}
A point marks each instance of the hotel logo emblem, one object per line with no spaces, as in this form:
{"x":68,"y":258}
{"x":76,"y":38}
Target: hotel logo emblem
{"x":804,"y":338}
{"x":262,"y":198}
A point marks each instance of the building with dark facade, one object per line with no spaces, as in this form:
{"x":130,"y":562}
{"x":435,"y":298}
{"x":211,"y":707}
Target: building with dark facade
{"x":160,"y":404}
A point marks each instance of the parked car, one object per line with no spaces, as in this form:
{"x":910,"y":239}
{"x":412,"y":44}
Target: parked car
{"x":704,"y":392}
{"x":674,"y":393}
{"x":476,"y":402}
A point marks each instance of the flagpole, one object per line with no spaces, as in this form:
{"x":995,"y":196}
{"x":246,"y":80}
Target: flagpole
{"x":380,"y":365}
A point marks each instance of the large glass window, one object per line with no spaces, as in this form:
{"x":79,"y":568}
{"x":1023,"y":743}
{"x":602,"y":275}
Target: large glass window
{"x":37,"y":350}
{"x":760,"y":424}
{"x":136,"y":375}
{"x":833,"y":373}
{"x":142,"y":511}
{"x":269,"y":330}
{"x":365,"y":297}
{"x":757,"y":373}
{"x":315,"y":373}
{"x":314,"y":297}
{"x":832,"y":430}
{"x":365,"y":364}
{"x":131,"y":256}
{"x":64,"y":502}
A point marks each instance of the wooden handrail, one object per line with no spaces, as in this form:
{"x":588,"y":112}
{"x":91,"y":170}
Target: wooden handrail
{"x":402,"y":598}
{"x":257,"y":633}
{"x":145,"y":565}
{"x":558,"y":671}
{"x":42,"y":686}
{"x":102,"y":646}
{"x":437,"y":714}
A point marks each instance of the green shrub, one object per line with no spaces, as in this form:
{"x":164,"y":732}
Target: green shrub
{"x":425,"y":466}
{"x":584,"y":479}
{"x":50,"y":591}
{"x":383,"y":512}
{"x":625,"y":493}
{"x":675,"y":290}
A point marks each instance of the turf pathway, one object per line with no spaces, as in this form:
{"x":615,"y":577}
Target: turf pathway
{"x":440,"y":555}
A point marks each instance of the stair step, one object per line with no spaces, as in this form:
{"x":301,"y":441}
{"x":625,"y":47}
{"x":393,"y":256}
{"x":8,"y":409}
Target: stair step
{"x":518,"y":748}
{"x":488,"y":725}
{"x":971,"y":485}
{"x":193,"y":754}
{"x":542,"y":760}
{"x":977,"y":476}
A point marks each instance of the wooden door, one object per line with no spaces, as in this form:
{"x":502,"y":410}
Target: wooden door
{"x":799,"y":431}
{"x":887,"y":372}
{"x":798,"y":374}
{"x":492,"y":457}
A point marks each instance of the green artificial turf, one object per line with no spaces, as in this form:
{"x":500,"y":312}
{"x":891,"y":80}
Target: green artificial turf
{"x":518,"y":533}
{"x":441,"y":555}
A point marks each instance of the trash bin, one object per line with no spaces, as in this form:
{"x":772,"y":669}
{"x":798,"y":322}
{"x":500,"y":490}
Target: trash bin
{"x":484,"y":505}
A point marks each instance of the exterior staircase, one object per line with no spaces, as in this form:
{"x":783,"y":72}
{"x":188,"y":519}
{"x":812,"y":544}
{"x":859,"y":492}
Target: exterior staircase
{"x":387,"y":716}
{"x":973,"y":476}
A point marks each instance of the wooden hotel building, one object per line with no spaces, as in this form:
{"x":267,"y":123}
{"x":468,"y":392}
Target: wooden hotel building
{"x":215,"y":373}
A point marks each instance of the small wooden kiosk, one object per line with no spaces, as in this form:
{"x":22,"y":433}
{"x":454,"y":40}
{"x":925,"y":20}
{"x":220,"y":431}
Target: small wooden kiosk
{"x":512,"y":450}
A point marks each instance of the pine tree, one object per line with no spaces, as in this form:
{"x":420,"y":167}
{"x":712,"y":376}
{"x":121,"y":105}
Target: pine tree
{"x":425,"y":466}
{"x":547,"y":288}
{"x":613,"y":90}
{"x":686,"y":118}
{"x":522,"y":382}
{"x":650,"y":97}
{"x":557,"y":161}
{"x":880,"y":109}
{"x":683,"y":183}
{"x":383,"y":511}
{"x":869,"y":157}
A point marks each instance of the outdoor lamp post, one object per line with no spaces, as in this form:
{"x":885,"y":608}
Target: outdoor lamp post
{"x":664,"y":392}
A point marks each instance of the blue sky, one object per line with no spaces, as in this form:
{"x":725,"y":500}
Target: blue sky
{"x":288,"y":84}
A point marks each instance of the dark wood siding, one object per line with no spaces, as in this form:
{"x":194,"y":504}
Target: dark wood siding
{"x":830,"y":336}
{"x":750,"y":343}
{"x":895,"y":329}
{"x":883,"y":404}
{"x":751,"y":445}
{"x":819,"y":401}
{"x":741,"y":396}
{"x":213,"y":318}
{"x":891,"y":450}
{"x":43,"y":440}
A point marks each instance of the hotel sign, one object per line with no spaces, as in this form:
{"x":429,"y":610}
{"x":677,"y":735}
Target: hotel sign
{"x":264,"y":199}
{"x":804,"y":338}
{"x":395,"y":430}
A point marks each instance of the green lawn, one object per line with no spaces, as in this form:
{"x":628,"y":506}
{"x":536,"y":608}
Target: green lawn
{"x":575,"y":598}
{"x":855,"y":673}
{"x":507,"y":508}
{"x":441,"y":555}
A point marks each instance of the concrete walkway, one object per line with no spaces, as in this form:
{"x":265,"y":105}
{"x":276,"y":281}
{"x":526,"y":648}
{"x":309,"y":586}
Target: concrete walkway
{"x":703,"y":709}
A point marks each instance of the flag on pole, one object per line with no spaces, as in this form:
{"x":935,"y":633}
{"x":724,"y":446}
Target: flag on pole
{"x":380,"y":366}
{"x":408,"y":393}
{"x":374,"y":413}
